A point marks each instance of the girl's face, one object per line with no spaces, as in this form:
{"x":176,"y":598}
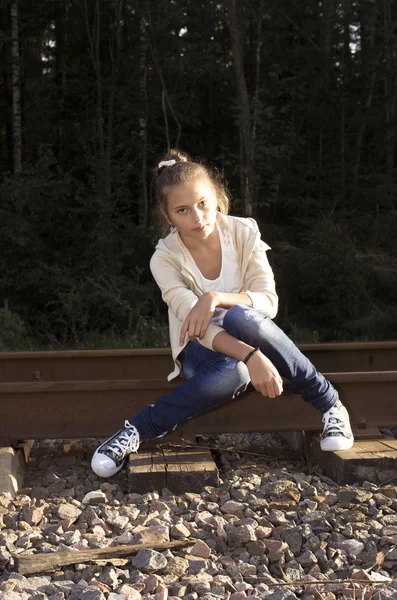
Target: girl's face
{"x":191,"y":208}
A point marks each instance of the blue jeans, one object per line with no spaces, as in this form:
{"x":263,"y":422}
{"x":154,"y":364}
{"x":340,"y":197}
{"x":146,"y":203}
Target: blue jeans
{"x":215,"y":378}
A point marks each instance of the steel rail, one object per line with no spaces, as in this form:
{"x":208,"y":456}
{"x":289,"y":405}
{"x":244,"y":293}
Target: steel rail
{"x":147,"y":362}
{"x":96,"y":408}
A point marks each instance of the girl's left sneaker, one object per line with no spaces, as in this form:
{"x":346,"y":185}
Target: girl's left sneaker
{"x":337,"y":433}
{"x":111,"y":456}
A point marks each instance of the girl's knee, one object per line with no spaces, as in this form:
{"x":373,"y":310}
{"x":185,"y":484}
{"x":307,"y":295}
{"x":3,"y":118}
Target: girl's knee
{"x":238,"y":378}
{"x":238,"y":317}
{"x":235,"y":314}
{"x":231,"y":373}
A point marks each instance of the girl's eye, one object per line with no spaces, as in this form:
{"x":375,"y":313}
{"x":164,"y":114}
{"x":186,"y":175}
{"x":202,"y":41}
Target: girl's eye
{"x":204,"y":202}
{"x":181,"y":211}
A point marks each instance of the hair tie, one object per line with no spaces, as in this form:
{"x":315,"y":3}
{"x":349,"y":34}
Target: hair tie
{"x":166,"y":163}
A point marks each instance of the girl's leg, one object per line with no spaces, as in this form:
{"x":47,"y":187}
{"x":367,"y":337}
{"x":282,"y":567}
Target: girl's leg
{"x":253,"y":327}
{"x":213,"y":379}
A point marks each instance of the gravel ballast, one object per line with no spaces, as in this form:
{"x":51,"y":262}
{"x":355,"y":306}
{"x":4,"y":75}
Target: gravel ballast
{"x":271,"y":529}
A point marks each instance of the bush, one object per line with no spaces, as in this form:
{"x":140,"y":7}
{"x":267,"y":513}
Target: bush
{"x":13,"y":333}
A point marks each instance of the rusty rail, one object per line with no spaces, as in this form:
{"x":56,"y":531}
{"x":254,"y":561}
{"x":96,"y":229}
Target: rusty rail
{"x":79,"y":394}
{"x":143,"y":363}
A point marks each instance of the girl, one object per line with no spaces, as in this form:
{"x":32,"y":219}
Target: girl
{"x":215,"y":277}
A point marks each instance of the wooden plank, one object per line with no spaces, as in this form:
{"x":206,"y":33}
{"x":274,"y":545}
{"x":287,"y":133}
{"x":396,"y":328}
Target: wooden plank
{"x":38,"y":563}
{"x":362,"y":462}
{"x":390,"y":443}
{"x":179,"y":470}
{"x":146,"y":472}
{"x":347,"y":454}
{"x":191,"y":471}
{"x":369,"y":446}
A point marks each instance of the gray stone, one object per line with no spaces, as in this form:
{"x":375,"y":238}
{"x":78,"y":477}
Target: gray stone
{"x":315,"y":518}
{"x":294,"y":540}
{"x":176,"y":566}
{"x":385,"y":594}
{"x":281,"y":595}
{"x":218,"y":591}
{"x":117,"y":521}
{"x":256,"y":548}
{"x":13,"y":596}
{"x":246,"y":570}
{"x":351,"y":547}
{"x":155,"y":534}
{"x":277,"y":517}
{"x":389,"y":519}
{"x":57,"y":596}
{"x":91,"y":593}
{"x":241,"y":535}
{"x":31,"y":583}
{"x":293,"y":574}
{"x":354,"y":495}
{"x":309,"y":492}
{"x":201,"y":587}
{"x":149,"y":561}
{"x":279,"y":487}
{"x":197,"y":565}
{"x":69,"y":511}
{"x":307,"y":559}
{"x":95,"y":497}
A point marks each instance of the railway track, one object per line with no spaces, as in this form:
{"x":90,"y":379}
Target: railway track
{"x":77,"y":394}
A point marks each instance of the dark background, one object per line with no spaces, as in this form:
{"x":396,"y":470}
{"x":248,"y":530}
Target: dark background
{"x":293,"y":102}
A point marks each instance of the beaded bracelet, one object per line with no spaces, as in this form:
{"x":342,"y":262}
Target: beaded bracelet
{"x":246,"y":359}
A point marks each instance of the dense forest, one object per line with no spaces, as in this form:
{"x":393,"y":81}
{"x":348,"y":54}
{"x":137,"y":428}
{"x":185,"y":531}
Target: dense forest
{"x":294,"y":103}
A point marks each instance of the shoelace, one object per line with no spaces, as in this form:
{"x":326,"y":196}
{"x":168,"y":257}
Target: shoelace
{"x":126,"y":442}
{"x":333,"y":422}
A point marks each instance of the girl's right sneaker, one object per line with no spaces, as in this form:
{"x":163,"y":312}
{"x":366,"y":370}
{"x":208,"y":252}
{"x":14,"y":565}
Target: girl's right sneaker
{"x":111,"y":456}
{"x":337,"y":433}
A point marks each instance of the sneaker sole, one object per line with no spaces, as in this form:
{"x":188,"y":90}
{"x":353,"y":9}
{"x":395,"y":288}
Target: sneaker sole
{"x":102,"y":470}
{"x":335,"y":443}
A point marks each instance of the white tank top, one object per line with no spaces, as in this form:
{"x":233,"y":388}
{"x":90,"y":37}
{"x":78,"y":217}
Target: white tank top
{"x":229,"y":279}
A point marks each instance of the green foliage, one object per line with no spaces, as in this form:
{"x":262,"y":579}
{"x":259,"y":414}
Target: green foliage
{"x":13,"y":333}
{"x":73,"y":244}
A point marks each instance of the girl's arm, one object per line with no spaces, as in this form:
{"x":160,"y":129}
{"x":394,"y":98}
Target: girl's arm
{"x":199,"y":318}
{"x":259,"y":291}
{"x":259,"y":281}
{"x":179,"y":298}
{"x":264,"y":376}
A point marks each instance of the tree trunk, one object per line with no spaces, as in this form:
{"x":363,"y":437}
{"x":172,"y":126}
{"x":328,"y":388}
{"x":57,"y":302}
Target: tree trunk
{"x":328,"y":8}
{"x":61,"y":23}
{"x":252,"y":168}
{"x":16,"y":90}
{"x":115,"y":62}
{"x":390,"y":101}
{"x":143,"y":68}
{"x":7,"y":75}
{"x":346,"y":74}
{"x":94,"y":36}
{"x":165,"y":98}
{"x":368,"y":103}
{"x":245,"y":125}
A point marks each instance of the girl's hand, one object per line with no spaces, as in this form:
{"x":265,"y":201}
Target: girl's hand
{"x":199,"y":317}
{"x":264,"y":376}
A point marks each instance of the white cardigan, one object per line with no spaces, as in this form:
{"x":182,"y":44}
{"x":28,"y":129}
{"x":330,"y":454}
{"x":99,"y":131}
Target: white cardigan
{"x":179,"y":279}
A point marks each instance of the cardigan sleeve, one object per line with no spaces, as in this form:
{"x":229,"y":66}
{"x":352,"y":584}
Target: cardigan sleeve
{"x":259,"y":280}
{"x":175,"y":293}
